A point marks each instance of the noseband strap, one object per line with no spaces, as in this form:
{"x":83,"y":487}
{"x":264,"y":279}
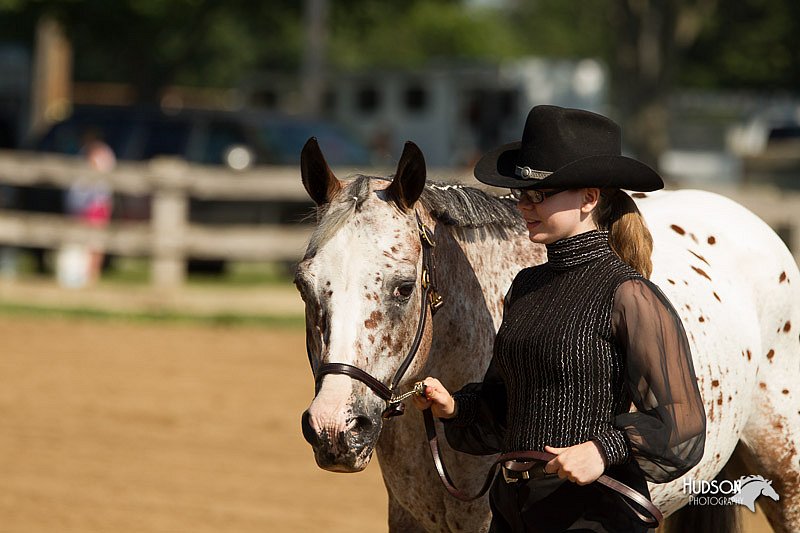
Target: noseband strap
{"x":356,"y":373}
{"x":430,"y":298}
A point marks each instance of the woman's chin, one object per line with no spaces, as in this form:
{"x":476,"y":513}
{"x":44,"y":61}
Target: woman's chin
{"x":536,"y":236}
{"x":541,"y":237}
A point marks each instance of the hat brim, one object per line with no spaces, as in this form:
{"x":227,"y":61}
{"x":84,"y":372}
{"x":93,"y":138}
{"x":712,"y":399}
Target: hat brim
{"x":497,"y":167}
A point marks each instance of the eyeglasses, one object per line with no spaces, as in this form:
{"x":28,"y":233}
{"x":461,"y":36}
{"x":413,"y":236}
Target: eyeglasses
{"x":534,"y":196}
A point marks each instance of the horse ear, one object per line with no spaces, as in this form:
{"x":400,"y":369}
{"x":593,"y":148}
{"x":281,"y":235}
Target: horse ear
{"x":318,"y":179}
{"x":409,"y":180}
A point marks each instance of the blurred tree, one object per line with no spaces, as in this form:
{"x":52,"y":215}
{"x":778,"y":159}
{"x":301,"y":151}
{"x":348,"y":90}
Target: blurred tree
{"x":409,"y":33}
{"x":649,"y":45}
{"x":154,"y":43}
{"x":753,"y":44}
{"x":641,"y":41}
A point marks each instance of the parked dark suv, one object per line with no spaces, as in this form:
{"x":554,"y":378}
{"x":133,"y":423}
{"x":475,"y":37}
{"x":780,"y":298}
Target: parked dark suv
{"x":235,"y":139}
{"x":202,"y":136}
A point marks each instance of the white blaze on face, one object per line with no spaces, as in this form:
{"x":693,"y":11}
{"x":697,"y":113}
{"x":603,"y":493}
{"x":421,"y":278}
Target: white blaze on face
{"x":348,"y":268}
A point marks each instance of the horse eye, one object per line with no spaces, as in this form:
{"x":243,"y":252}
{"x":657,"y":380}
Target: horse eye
{"x":404,"y":291}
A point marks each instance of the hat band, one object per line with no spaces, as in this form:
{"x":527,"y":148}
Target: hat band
{"x":527,"y":173}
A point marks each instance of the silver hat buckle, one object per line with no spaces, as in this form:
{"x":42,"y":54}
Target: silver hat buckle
{"x":527,"y":173}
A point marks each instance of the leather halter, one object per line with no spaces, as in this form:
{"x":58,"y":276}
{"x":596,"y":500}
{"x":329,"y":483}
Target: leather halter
{"x":430,"y":298}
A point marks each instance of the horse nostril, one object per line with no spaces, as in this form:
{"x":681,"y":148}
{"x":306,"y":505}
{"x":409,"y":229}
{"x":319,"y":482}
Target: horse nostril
{"x":309,"y":433}
{"x":361,"y":424}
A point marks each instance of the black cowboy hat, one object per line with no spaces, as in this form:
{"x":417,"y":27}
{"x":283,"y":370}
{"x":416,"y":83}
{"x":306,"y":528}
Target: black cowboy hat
{"x":565,"y":148}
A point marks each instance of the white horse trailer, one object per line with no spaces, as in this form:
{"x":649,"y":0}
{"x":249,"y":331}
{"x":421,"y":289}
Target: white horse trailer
{"x":453,"y":112}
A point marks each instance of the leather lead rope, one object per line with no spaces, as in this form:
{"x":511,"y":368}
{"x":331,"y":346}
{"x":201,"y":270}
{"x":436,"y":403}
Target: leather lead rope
{"x":652,"y":519}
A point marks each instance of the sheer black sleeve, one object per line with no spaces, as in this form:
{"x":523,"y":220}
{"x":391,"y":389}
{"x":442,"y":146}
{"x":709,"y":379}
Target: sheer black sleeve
{"x":666,"y":432}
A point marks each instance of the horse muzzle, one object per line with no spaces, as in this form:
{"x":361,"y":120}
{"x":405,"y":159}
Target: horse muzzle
{"x":342,"y":448}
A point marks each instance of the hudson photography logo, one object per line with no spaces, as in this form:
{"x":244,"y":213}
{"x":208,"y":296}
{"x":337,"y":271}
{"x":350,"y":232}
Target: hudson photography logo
{"x":743,"y":491}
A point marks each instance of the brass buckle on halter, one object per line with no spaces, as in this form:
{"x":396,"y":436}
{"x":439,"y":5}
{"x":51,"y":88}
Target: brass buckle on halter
{"x":435,"y":301}
{"x":425,"y":234}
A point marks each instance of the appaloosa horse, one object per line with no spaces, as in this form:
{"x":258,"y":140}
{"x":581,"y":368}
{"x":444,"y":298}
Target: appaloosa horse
{"x":731,"y":279}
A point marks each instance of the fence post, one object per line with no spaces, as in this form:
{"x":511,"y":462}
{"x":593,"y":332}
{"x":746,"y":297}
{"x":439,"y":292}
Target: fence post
{"x":169,"y":221}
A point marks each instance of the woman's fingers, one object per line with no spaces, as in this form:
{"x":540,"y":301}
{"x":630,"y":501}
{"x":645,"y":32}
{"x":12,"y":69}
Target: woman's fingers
{"x":420,"y":403}
{"x":435,"y":396}
{"x":581,"y":464}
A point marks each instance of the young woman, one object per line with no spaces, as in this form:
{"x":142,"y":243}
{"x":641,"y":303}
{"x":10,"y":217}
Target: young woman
{"x":584,"y":336}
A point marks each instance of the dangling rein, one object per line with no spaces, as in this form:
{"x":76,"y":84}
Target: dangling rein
{"x":652,"y":519}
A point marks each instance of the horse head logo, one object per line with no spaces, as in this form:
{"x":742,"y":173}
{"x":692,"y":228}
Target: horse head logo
{"x":751,"y":488}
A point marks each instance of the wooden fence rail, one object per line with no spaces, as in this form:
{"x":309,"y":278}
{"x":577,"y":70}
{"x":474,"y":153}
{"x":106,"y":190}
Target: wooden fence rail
{"x":168,"y":238}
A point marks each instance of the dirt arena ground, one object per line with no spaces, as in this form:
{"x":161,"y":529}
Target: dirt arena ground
{"x":142,"y":427}
{"x":110,"y":426}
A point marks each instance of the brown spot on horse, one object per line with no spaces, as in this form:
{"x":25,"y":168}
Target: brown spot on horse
{"x":782,"y":278}
{"x":677,"y":229}
{"x":762,"y":385}
{"x":671,"y":281}
{"x":785,"y":391}
{"x":717,"y":297}
{"x":770,"y":355}
{"x":787,"y":326}
{"x":700,"y":257}
{"x":712,"y":240}
{"x":715,"y":383}
{"x":372,"y":321}
{"x":638,"y":195}
{"x":701,"y":272}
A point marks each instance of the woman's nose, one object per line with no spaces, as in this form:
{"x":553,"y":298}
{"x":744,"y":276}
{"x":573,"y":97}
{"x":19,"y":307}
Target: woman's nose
{"x":525,"y":205}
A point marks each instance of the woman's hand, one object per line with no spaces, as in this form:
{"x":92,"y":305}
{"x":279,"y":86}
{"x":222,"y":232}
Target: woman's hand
{"x":437,"y":398}
{"x":581,"y":464}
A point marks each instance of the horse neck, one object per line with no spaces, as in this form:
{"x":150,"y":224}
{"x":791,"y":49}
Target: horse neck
{"x":474,"y":269}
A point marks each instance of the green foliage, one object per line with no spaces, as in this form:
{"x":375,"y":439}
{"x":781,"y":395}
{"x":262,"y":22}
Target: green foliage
{"x":748,"y":44}
{"x":409,"y":34}
{"x":743,"y":43}
{"x":153,"y":43}
{"x":554,"y":28}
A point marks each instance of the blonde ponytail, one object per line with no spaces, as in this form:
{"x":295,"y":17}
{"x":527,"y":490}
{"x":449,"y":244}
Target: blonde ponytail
{"x":628,"y":233}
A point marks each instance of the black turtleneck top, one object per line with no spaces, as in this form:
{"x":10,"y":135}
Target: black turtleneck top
{"x":588,"y":350}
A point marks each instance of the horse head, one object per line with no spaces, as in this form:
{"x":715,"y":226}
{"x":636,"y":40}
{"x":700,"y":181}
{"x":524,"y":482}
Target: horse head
{"x":769,"y":491}
{"x":360,"y":281}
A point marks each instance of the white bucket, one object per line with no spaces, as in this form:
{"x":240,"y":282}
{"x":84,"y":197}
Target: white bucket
{"x":72,"y":266}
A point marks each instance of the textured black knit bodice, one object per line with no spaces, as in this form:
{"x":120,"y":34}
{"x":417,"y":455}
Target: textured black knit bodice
{"x":555,"y":351}
{"x":583,"y":337}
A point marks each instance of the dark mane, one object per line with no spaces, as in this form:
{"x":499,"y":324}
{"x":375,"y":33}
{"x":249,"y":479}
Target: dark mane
{"x":464,"y":208}
{"x":454,"y":205}
{"x":468,"y":207}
